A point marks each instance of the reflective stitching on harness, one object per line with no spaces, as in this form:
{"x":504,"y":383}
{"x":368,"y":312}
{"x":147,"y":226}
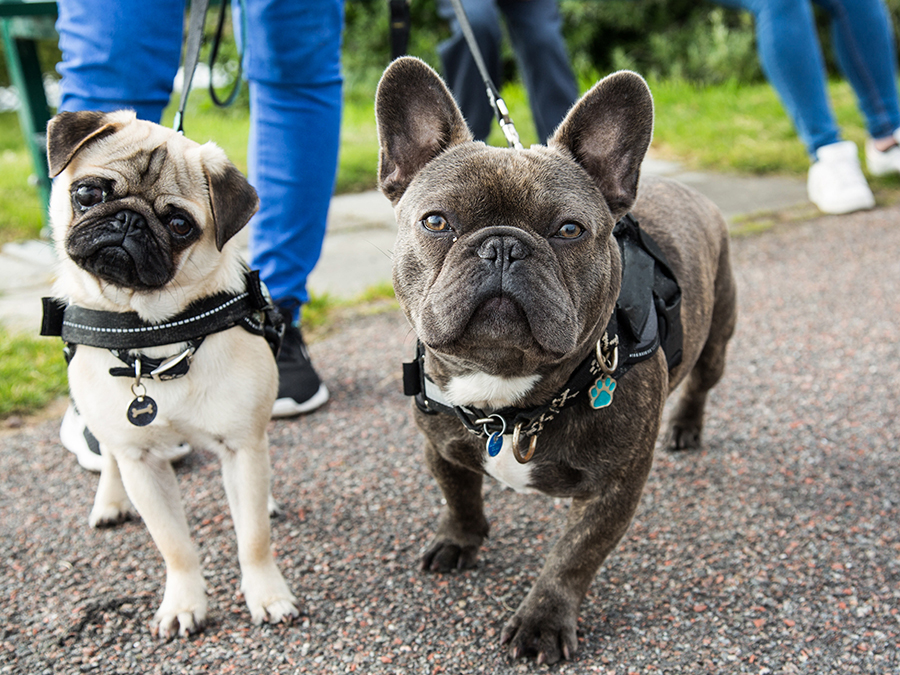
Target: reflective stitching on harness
{"x":159,"y":326}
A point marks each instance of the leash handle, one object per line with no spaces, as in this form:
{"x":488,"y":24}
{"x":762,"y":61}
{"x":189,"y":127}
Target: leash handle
{"x":497,"y":103}
{"x":191,"y":56}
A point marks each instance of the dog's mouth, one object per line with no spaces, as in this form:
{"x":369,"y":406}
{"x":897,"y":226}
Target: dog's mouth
{"x":122,"y":250}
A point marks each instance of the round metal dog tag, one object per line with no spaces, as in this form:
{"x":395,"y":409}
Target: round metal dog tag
{"x":142,"y":411}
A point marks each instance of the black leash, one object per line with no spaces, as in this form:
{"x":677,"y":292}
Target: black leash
{"x":191,"y":56}
{"x":196,"y":23}
{"x":214,"y":52}
{"x":497,"y":103}
{"x":399,"y":23}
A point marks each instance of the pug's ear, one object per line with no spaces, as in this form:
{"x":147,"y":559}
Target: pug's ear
{"x":417,"y":120}
{"x":231,"y":197}
{"x":608,"y":132}
{"x":69,"y":132}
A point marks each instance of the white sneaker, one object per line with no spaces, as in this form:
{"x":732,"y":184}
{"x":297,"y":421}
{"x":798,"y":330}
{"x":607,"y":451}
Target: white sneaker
{"x":78,"y":439}
{"x":881,"y":163}
{"x":836,"y":183}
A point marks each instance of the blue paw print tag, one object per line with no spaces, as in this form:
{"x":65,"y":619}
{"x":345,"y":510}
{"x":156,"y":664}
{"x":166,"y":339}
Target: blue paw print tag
{"x":494,"y":443}
{"x":602,"y":392}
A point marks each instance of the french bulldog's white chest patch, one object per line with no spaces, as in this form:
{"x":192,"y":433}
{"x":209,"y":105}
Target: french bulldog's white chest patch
{"x":488,"y":391}
{"x":505,"y":468}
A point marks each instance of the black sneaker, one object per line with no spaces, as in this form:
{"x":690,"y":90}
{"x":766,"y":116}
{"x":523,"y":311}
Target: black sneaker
{"x":299,"y":388}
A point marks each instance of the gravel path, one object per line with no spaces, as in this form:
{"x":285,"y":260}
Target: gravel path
{"x":776,"y":549}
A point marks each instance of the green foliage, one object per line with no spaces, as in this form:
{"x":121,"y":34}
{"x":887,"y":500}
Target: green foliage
{"x":32,"y":372}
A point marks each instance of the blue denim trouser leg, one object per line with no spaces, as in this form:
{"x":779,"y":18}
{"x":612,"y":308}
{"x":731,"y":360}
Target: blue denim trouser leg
{"x":119,"y":55}
{"x":292,"y":62}
{"x":792,"y":60}
{"x":864,"y":43}
{"x":534,"y":28}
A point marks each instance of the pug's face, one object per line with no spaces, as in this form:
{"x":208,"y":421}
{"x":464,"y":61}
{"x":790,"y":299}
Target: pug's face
{"x":133,"y":202}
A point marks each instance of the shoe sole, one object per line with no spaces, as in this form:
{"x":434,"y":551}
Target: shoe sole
{"x":288,"y":407}
{"x":71,"y":435}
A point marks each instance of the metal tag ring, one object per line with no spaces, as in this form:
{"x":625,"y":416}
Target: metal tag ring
{"x":522,"y":459}
{"x":502,"y":431}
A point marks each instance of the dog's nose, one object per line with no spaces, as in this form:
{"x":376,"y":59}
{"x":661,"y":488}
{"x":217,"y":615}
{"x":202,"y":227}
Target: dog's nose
{"x":126,"y":220}
{"x":503,"y":250}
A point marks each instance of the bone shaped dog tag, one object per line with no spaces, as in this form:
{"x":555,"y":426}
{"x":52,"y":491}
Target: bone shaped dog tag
{"x":142,"y":411}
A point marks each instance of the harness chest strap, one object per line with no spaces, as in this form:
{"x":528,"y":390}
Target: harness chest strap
{"x":123,"y":332}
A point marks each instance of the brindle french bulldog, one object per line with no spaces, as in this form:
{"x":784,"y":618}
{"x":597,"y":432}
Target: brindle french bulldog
{"x":507,"y":268}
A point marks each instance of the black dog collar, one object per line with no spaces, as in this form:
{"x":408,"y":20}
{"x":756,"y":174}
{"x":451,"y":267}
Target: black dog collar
{"x":124,"y":332}
{"x":633,"y":334}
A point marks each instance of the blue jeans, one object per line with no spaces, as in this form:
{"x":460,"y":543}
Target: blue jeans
{"x":125,"y":55}
{"x":535,"y":29}
{"x":792,"y":60}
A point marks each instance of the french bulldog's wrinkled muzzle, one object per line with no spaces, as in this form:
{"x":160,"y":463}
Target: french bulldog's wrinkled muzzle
{"x":488,"y":293}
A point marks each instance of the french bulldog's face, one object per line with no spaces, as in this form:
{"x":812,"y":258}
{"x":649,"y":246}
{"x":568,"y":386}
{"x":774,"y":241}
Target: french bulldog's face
{"x":504,"y":261}
{"x":133,"y":201}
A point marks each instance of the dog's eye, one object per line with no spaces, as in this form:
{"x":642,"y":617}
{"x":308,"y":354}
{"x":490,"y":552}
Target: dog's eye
{"x":180,"y":225}
{"x":569,"y":231}
{"x":86,"y":196}
{"x":435,"y":223}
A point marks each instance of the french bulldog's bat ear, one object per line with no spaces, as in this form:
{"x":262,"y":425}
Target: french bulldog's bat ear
{"x":232,"y":198}
{"x":608,"y":131}
{"x":69,"y":132}
{"x":417,"y":120}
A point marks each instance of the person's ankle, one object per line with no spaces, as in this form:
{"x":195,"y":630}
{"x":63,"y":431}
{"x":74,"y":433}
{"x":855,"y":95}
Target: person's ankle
{"x":884,"y":144}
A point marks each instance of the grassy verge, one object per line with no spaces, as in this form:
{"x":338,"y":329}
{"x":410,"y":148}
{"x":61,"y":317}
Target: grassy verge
{"x":32,"y":373}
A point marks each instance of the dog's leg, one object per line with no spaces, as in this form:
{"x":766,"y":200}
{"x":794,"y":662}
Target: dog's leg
{"x":111,"y":503}
{"x":153,"y":488}
{"x":245,"y":472}
{"x":463,"y":526}
{"x":686,"y":425}
{"x":544,"y":625}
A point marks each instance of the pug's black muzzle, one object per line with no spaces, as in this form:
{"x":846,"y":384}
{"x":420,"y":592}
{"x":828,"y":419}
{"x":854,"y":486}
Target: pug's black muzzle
{"x":122,"y":249}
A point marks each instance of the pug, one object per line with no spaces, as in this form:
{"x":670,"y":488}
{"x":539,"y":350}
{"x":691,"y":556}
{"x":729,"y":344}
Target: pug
{"x":142,"y":221}
{"x":539,"y":326}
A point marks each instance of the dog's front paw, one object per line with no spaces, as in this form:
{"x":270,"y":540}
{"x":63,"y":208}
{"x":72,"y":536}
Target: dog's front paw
{"x":111,"y":513}
{"x":683,"y":437}
{"x":183,"y":610}
{"x":543,"y":628}
{"x":445,"y":556}
{"x":268,"y":596}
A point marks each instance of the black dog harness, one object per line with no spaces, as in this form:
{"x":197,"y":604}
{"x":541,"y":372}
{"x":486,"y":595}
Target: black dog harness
{"x":647,"y":316}
{"x":122,"y":333}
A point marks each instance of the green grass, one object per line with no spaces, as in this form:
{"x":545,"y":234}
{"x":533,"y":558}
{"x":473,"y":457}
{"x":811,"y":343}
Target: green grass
{"x":32,"y":373}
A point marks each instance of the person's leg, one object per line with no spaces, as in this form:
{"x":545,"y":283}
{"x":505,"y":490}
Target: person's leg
{"x":535,"y":28}
{"x":460,"y":71}
{"x":791,"y":58}
{"x":119,"y":55}
{"x":864,"y":46}
{"x":293,"y":67}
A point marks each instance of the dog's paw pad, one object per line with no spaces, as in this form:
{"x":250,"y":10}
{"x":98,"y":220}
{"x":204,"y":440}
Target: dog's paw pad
{"x":602,"y":392}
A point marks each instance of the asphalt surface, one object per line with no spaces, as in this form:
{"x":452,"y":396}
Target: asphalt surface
{"x":775,"y":549}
